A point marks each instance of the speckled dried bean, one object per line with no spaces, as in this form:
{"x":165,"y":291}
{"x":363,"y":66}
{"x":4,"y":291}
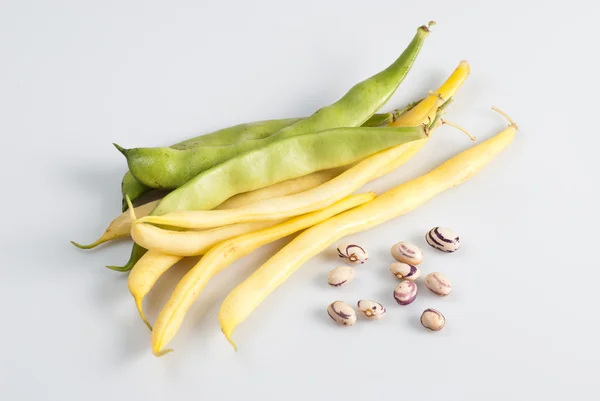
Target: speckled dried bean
{"x":433,"y":320}
{"x":371,"y":309}
{"x":405,"y":292}
{"x":407,"y":253}
{"x":443,"y":239}
{"x":405,"y":271}
{"x":438,"y":284}
{"x":352,"y":253}
{"x":342,"y":313}
{"x":340,"y":276}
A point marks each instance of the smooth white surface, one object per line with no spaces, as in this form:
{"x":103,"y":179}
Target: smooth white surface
{"x":522,"y":320}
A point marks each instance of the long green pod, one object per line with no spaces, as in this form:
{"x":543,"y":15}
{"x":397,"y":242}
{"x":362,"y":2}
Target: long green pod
{"x":352,"y":110}
{"x":133,"y":188}
{"x":283,"y":160}
{"x":169,"y":168}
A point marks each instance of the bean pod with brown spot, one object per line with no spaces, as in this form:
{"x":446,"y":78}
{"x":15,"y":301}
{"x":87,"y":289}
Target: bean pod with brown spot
{"x":407,"y":253}
{"x":342,"y":313}
{"x":433,"y":320}
{"x":405,"y":271}
{"x":438,"y":284}
{"x":340,"y":276}
{"x":443,"y":239}
{"x":352,"y":253}
{"x":405,"y":292}
{"x":371,"y":309}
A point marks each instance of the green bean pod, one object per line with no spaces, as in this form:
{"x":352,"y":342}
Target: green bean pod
{"x":169,"y":168}
{"x":352,"y":110}
{"x":134,"y":188}
{"x":225,"y":137}
{"x":283,"y":160}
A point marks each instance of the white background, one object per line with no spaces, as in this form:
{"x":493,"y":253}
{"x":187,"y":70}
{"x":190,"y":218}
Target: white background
{"x":523,"y":321}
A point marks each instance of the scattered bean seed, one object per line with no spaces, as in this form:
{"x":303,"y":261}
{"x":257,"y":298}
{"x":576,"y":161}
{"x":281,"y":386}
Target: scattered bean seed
{"x":438,"y":284}
{"x":340,"y":276}
{"x":371,"y":309}
{"x":405,"y":292}
{"x":443,"y":239}
{"x":433,"y":320}
{"x":407,"y":253}
{"x":342,"y":313}
{"x":405,"y":271}
{"x":352,"y":253}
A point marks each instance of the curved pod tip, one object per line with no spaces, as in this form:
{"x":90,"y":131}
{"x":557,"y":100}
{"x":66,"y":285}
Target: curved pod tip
{"x":138,"y":304}
{"x":88,"y":246}
{"x":228,"y":337}
{"x":120,"y":149}
{"x":162,"y":353}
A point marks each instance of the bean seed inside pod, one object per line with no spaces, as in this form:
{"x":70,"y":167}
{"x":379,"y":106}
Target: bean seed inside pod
{"x":371,"y":309}
{"x":405,"y":271}
{"x":433,"y":320}
{"x":407,"y":253}
{"x":340,"y":276}
{"x":438,"y":284}
{"x":342,"y":313}
{"x":405,"y":292}
{"x":352,"y":253}
{"x":443,"y":239}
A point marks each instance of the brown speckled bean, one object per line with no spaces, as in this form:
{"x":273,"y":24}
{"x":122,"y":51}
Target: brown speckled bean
{"x":407,"y":253}
{"x":405,"y":271}
{"x":405,"y":292}
{"x":433,"y":320}
{"x":438,"y":284}
{"x":342,"y":313}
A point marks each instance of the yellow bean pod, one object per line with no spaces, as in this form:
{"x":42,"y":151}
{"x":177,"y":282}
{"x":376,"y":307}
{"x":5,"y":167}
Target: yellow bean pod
{"x":240,"y":303}
{"x":145,"y":274}
{"x":223,"y":255}
{"x":120,"y":227}
{"x":191,"y":243}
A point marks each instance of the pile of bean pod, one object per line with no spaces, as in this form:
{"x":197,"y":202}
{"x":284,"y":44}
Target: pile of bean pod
{"x":408,"y":256}
{"x":225,"y":194}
